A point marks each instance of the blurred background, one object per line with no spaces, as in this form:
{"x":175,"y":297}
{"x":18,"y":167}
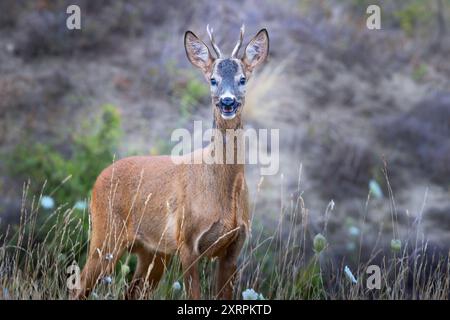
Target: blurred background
{"x":364,"y":115}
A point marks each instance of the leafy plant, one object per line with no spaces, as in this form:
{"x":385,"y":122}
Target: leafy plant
{"x":191,"y":95}
{"x":65,"y":180}
{"x":68,"y":179}
{"x":412,"y":15}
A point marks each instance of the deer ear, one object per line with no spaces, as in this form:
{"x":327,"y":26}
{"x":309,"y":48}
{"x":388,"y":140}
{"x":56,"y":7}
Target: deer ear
{"x":197,"y":51}
{"x":256,"y":50}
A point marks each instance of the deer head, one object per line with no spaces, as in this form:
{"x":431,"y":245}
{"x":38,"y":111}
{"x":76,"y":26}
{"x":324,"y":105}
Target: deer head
{"x":227,"y":77}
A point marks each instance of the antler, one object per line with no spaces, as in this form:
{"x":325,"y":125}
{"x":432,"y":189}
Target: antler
{"x":239,"y":43}
{"x":211,"y":37}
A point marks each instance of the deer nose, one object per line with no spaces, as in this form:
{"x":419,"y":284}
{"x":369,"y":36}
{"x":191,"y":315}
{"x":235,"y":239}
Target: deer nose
{"x":228,"y":101}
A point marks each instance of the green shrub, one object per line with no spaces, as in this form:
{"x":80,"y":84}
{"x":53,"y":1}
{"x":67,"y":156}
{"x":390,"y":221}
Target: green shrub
{"x":64,"y":182}
{"x":191,"y":95}
{"x":413,"y":15}
{"x":69,"y":179}
{"x":419,"y":72}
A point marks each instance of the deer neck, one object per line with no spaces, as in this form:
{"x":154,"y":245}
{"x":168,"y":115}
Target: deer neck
{"x":225,"y":137}
{"x":221,"y":124}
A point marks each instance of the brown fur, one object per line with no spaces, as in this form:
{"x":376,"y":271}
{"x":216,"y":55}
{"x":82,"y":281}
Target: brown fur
{"x":156,"y":208}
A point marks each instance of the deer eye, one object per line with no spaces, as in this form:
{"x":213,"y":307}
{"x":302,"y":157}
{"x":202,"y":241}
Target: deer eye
{"x":213,"y":82}
{"x":242,"y":81}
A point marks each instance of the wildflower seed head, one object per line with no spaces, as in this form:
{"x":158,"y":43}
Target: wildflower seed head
{"x":125,"y":269}
{"x":375,"y":189}
{"x":319,"y":243}
{"x":396,"y":245}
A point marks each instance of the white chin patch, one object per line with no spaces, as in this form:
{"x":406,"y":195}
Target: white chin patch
{"x":228,"y":117}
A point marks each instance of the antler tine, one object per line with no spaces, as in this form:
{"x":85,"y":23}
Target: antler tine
{"x":211,"y":37}
{"x":239,"y":43}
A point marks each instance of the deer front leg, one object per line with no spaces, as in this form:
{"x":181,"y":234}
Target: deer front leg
{"x":226,"y":270}
{"x":189,"y":263}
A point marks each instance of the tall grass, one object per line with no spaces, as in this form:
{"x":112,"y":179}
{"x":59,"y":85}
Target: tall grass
{"x":280,"y":264}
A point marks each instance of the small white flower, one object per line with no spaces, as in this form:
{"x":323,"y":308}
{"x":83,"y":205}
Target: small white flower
{"x":349,"y":275}
{"x":6,"y":294}
{"x":331,"y":204}
{"x":375,"y":189}
{"x":353,"y":231}
{"x":109,"y":256}
{"x":107,"y":280}
{"x":176,"y":286}
{"x":250,"y":294}
{"x":80,"y":205}
{"x":47,"y":202}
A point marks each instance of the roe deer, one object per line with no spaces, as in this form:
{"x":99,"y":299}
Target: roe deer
{"x":156,"y":208}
